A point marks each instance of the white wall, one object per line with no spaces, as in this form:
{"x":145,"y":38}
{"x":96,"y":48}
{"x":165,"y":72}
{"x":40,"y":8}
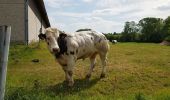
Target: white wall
{"x":34,"y":22}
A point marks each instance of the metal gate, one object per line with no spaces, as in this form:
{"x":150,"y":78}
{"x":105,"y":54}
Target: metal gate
{"x":5,"y":32}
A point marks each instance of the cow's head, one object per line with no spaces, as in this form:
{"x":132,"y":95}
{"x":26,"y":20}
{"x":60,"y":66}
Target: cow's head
{"x":51,"y":37}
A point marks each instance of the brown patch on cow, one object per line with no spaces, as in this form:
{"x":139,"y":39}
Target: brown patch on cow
{"x":72,"y":52}
{"x":91,"y":38}
{"x":93,"y":55}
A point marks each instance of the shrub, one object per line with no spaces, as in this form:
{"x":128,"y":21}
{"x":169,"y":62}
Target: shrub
{"x":167,"y":38}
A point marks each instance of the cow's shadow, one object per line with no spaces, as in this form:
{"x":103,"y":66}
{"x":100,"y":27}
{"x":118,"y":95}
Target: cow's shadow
{"x":79,"y":85}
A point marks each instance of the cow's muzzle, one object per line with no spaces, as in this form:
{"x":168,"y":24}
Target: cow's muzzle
{"x":55,"y":50}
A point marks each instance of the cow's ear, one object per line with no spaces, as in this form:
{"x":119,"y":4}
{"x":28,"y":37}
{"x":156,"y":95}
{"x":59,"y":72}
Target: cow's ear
{"x":42,"y":36}
{"x":62,"y":35}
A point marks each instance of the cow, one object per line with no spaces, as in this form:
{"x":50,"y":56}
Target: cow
{"x":68,"y":48}
{"x":114,"y":41}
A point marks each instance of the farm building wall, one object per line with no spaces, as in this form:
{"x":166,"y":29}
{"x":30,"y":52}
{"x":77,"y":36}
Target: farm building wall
{"x":12,"y":13}
{"x":34,"y":22}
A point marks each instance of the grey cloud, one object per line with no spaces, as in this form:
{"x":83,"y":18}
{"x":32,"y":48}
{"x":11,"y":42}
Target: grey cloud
{"x":163,"y":8}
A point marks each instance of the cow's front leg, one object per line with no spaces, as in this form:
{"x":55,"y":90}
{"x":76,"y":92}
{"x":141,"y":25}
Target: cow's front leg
{"x":69,"y":70}
{"x":70,"y":80}
{"x":66,"y":74}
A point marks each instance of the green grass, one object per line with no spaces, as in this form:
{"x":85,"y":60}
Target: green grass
{"x":136,"y":71}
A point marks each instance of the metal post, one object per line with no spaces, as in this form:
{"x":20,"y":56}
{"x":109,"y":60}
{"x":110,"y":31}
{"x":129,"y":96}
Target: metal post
{"x":26,"y":22}
{"x":5,"y":32}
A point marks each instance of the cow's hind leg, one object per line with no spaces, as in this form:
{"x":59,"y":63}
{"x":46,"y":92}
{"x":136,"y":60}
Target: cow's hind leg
{"x":92,"y":65}
{"x":103,"y":60}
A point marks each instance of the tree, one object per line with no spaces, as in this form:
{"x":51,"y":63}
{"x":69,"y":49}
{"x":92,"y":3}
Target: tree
{"x":166,"y":27}
{"x":151,"y":29}
{"x":130,"y":27}
{"x":130,"y":31}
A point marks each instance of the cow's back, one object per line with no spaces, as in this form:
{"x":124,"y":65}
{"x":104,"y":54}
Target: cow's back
{"x":91,"y":42}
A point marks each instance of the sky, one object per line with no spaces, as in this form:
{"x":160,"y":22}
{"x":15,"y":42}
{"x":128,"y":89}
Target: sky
{"x":102,"y":15}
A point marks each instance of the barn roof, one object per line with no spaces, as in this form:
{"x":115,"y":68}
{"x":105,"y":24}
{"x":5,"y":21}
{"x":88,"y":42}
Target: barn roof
{"x":41,"y":7}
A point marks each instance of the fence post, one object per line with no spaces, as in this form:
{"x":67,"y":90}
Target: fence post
{"x":5,"y":33}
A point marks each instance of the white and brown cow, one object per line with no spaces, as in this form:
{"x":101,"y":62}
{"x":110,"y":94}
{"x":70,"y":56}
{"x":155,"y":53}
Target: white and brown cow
{"x":68,"y":48}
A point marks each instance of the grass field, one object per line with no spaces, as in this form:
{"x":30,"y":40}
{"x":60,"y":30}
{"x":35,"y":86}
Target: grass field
{"x":136,"y":71}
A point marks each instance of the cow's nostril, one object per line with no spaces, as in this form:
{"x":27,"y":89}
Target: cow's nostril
{"x":55,"y":50}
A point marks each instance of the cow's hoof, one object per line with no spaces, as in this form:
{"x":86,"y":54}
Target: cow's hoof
{"x":102,"y":75}
{"x":88,"y":76}
{"x":70,"y":84}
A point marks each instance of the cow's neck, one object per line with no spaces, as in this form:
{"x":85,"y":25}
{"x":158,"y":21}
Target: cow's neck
{"x":57,"y":55}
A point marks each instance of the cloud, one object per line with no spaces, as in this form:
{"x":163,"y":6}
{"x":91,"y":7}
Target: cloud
{"x":59,"y":3}
{"x":70,"y":14}
{"x":103,"y":15}
{"x":88,"y":1}
{"x":164,"y":7}
{"x":96,"y":24}
{"x":55,"y":23}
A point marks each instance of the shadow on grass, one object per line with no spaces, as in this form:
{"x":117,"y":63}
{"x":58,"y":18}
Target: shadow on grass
{"x":38,"y":92}
{"x":21,"y":93}
{"x":79,"y":85}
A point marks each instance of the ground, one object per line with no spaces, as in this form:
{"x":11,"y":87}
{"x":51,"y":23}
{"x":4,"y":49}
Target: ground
{"x":136,"y":71}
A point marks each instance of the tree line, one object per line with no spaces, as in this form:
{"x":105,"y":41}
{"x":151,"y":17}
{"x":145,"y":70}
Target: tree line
{"x":148,"y":29}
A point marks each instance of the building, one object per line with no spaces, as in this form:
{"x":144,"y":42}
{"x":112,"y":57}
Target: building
{"x":26,"y":18}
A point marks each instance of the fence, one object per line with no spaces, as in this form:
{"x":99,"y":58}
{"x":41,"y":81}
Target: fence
{"x":5,"y":32}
